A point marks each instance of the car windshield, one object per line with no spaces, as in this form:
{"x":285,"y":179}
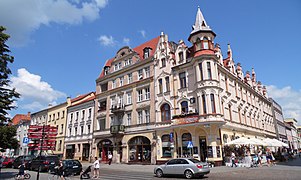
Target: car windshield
{"x":194,"y":160}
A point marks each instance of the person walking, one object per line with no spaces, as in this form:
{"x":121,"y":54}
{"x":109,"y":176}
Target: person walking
{"x":259,"y":157}
{"x":21,"y":170}
{"x":233,"y":159}
{"x":110,"y":157}
{"x":96,"y":166}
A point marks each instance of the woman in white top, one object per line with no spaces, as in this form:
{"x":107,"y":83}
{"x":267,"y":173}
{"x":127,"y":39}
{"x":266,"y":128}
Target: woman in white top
{"x":96,"y":168}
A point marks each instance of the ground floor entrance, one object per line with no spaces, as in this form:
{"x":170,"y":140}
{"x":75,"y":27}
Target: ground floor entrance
{"x":139,"y":149}
{"x":70,"y":151}
{"x":104,"y":148}
{"x":86,"y":152}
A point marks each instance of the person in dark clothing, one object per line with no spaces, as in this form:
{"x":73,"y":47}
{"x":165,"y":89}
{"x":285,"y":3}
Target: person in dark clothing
{"x":21,"y":170}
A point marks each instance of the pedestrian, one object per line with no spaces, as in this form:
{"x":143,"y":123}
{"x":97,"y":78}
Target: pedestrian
{"x":110,"y":156}
{"x":21,"y":170}
{"x":259,"y":154}
{"x":233,"y":159}
{"x":61,"y":171}
{"x":96,"y":168}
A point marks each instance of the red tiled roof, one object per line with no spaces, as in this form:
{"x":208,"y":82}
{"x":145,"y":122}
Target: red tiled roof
{"x":80,"y":97}
{"x":20,"y":117}
{"x":139,"y":50}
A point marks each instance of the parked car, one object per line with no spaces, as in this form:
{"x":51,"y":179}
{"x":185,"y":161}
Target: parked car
{"x":72,"y":166}
{"x":183,"y":166}
{"x":26,"y":159}
{"x":46,"y":162}
{"x":8,"y":162}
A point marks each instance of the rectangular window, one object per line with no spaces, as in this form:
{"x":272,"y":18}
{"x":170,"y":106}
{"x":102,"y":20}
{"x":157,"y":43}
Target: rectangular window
{"x":204,"y":104}
{"x":75,"y":131}
{"x":83,"y":114}
{"x":53,"y":117}
{"x":77,"y":115}
{"x":89,"y":129}
{"x":129,"y":118}
{"x":82,"y":130}
{"x":78,"y":147}
{"x":63,"y":114}
{"x":181,"y":56}
{"x":209,"y":70}
{"x":101,"y":124}
{"x":160,"y":86}
{"x":182,"y":80}
{"x":120,"y":101}
{"x":201,"y":71}
{"x":130,"y":78}
{"x":62,"y":128}
{"x":140,"y":117}
{"x":70,"y":131}
{"x":90,"y":112}
{"x":140,"y":74}
{"x":121,"y":81}
{"x":114,"y":83}
{"x":147,"y":72}
{"x":167,"y":84}
{"x":113,"y":103}
{"x":163,"y":62}
{"x":129,"y":98}
{"x":212,"y":103}
{"x":147,"y":116}
{"x":71,"y":117}
{"x":140,"y":95}
{"x":115,"y":67}
{"x":58,"y":115}
{"x":119,"y":65}
{"x":147,"y":93}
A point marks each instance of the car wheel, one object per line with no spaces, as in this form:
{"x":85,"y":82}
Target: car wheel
{"x":159,"y":173}
{"x":188,"y":174}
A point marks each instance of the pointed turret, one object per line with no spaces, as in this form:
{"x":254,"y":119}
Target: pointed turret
{"x":201,"y":35}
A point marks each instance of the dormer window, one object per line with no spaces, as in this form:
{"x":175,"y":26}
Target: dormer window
{"x":205,"y":43}
{"x":181,"y":56}
{"x":106,"y":70}
{"x":163,"y":62}
{"x":127,"y":62}
{"x":146,"y":52}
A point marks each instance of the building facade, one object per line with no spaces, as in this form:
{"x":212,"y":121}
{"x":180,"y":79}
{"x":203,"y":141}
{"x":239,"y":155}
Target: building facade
{"x":279,"y":121}
{"x":163,"y":100}
{"x":124,"y":124}
{"x":293,"y":139}
{"x":79,"y":128}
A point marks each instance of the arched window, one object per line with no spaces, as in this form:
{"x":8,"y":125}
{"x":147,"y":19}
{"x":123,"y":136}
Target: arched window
{"x":165,"y":112}
{"x":184,"y":107}
{"x":212,"y":103}
{"x":205,"y":43}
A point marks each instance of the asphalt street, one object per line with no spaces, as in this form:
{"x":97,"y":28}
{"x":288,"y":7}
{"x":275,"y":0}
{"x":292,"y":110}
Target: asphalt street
{"x":282,"y":171}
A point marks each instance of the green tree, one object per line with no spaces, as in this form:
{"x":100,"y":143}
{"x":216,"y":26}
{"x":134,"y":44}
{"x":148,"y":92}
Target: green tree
{"x":7,"y":95}
{"x":7,"y":138}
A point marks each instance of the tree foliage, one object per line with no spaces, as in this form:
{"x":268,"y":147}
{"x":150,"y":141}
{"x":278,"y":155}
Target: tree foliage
{"x":7,"y":94}
{"x":7,"y":137}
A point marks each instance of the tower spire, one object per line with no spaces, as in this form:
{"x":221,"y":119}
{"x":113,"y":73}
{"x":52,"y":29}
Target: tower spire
{"x":200,"y":22}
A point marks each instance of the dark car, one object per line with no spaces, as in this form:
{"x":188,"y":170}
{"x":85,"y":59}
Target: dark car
{"x":8,"y":162}
{"x":26,"y":159}
{"x":71,"y":166}
{"x":46,"y":163}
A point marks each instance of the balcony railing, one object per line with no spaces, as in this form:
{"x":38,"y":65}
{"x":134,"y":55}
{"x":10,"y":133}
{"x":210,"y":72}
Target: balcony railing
{"x":118,"y":108}
{"x":117,"y":129}
{"x":189,"y":114}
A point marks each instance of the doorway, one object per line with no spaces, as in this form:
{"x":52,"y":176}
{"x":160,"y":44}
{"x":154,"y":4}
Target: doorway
{"x":203,"y":148}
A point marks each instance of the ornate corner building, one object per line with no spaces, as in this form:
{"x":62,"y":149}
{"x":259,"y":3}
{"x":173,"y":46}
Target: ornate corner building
{"x":163,"y":100}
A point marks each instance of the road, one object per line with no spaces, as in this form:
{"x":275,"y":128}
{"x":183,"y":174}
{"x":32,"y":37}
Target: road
{"x":282,"y":171}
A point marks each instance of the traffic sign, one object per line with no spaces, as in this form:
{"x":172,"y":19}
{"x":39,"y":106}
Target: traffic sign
{"x":189,"y":145}
{"x":26,"y":140}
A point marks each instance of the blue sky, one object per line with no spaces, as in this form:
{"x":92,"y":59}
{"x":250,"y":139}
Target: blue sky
{"x":61,"y":46}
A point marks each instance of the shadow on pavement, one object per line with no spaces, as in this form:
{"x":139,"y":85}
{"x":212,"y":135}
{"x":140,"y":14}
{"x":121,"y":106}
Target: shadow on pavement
{"x":7,"y":175}
{"x":293,"y":162}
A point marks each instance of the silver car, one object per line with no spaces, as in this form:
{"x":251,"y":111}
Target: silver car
{"x":183,"y":166}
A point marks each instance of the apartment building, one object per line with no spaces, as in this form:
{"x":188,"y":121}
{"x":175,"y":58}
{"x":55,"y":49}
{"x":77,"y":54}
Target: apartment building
{"x":279,"y":121}
{"x":79,"y":127}
{"x":203,"y":100}
{"x":125,"y":115}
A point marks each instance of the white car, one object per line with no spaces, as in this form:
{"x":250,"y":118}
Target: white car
{"x":183,"y":166}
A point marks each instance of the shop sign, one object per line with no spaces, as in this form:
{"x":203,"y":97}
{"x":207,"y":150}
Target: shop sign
{"x":187,"y":120}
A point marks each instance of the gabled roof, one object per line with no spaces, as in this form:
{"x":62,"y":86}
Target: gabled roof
{"x":80,"y":97}
{"x":139,"y":50}
{"x":84,"y":100}
{"x":20,"y":117}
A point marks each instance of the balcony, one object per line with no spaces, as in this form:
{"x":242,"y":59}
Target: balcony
{"x":117,"y":129}
{"x":185,"y":115}
{"x":118,"y":108}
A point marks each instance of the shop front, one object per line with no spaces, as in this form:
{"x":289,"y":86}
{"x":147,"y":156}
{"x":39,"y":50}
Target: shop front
{"x":104,"y":147}
{"x":86,"y":152}
{"x":139,"y":150}
{"x":70,"y":151}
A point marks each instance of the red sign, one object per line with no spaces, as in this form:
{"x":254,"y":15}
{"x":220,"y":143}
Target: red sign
{"x":37,"y":133}
{"x":187,"y":120}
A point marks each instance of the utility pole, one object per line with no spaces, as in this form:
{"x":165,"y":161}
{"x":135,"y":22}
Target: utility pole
{"x":41,"y":148}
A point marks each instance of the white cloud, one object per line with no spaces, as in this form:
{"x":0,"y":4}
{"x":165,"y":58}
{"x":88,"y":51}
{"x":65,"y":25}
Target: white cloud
{"x":143,"y":33}
{"x":126,"y":41}
{"x":106,"y":40}
{"x":289,"y":99}
{"x":35,"y":93}
{"x":21,"y":18}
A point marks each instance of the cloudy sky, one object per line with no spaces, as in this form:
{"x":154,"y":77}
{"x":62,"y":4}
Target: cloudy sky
{"x":60,"y":46}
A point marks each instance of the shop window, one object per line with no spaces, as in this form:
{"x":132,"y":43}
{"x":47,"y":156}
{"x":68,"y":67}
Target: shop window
{"x":139,"y":149}
{"x":165,"y":112}
{"x":166,"y":149}
{"x":187,"y":152}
